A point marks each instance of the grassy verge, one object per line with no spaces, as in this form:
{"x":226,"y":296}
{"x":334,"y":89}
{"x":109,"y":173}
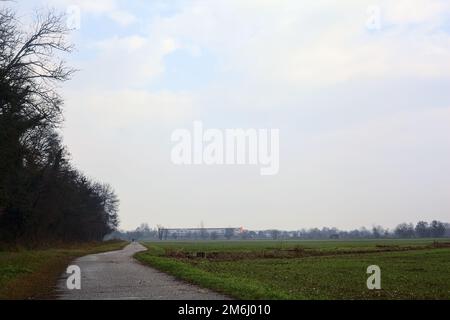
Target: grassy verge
{"x":32,"y":274}
{"x":420,"y":273}
{"x":227,"y":284}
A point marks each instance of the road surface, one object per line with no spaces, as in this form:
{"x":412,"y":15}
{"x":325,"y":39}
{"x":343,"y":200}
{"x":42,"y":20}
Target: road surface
{"x":116,"y":275}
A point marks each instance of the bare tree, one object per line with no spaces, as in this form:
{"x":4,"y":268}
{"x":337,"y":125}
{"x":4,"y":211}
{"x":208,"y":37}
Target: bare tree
{"x":30,"y":67}
{"x":42,"y":197}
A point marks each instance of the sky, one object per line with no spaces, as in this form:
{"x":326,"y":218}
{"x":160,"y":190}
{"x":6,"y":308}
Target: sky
{"x":360,"y":91}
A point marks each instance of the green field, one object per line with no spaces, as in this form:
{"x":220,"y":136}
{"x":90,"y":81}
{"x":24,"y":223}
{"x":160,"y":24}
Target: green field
{"x":410,"y":269}
{"x":32,"y":274}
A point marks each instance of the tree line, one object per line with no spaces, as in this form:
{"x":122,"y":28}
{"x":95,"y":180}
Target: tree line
{"x":434,"y":229}
{"x":423,"y":229}
{"x":43,"y":197}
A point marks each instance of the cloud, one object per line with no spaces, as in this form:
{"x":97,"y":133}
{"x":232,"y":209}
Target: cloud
{"x":358,"y":110}
{"x":262,"y":44}
{"x":121,"y":17}
{"x":407,"y":12}
{"x":316,"y":43}
{"x":125,"y":62}
{"x":112,"y":9}
{"x":129,"y":108}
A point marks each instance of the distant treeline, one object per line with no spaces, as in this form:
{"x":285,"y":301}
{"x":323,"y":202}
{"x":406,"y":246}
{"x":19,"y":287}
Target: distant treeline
{"x":43,"y":198}
{"x":422,"y":229}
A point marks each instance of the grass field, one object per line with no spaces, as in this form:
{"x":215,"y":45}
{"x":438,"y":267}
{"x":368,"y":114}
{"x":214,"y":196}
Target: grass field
{"x":410,"y":269}
{"x":32,"y":274}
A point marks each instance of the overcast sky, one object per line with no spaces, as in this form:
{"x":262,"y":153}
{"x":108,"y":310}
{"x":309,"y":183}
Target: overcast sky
{"x":363,"y":109}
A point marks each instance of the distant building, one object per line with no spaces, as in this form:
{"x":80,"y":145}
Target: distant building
{"x":200,"y":233}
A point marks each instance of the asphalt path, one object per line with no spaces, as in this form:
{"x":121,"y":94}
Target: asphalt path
{"x":117,"y":275}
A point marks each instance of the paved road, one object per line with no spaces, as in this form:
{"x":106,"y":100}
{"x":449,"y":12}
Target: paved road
{"x":116,"y":275}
